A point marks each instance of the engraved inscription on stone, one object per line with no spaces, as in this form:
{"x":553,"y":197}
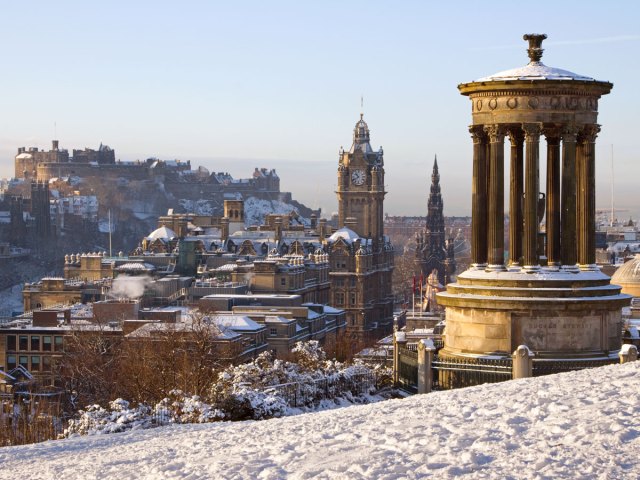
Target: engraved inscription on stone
{"x":557,"y":334}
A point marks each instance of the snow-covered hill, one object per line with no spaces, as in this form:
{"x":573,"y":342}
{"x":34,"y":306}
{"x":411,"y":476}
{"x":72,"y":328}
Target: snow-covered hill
{"x":574,"y":425}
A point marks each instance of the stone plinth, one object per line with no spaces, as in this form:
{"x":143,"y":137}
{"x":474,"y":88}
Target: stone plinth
{"x":559,"y":315}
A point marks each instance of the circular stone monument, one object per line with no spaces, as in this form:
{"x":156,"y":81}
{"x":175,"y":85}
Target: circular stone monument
{"x":547,"y":293}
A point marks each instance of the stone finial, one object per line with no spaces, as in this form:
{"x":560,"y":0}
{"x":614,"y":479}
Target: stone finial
{"x":535,"y":45}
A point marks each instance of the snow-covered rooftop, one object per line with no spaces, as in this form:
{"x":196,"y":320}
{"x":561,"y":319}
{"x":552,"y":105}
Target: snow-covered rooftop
{"x":162,"y":233}
{"x":236,"y":322}
{"x":574,"y":425}
{"x":346,"y":234}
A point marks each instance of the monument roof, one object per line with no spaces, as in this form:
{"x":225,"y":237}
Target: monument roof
{"x":535,"y":71}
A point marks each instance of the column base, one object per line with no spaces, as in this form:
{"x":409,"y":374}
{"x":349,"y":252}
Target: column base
{"x":589,"y":267}
{"x":496,"y":268}
{"x":478,"y":266}
{"x":570,"y":268}
{"x":531,"y":268}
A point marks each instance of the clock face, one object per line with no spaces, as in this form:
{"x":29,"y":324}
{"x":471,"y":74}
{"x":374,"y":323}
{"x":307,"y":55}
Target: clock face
{"x":357,"y":177}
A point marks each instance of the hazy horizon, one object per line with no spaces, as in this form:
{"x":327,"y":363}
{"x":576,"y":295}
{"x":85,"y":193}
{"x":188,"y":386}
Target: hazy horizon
{"x":278,"y":85}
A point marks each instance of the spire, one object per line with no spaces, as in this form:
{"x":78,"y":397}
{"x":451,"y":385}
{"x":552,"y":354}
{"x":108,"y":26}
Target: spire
{"x":435,"y":179}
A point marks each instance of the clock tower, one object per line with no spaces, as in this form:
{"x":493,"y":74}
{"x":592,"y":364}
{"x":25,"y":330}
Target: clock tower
{"x":361,"y":186}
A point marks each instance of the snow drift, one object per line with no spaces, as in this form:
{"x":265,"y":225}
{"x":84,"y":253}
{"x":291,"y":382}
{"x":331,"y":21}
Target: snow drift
{"x":573,"y":425}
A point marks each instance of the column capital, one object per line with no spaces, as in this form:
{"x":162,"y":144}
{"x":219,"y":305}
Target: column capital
{"x":569,"y":133}
{"x":589,"y":133}
{"x":477,"y":133}
{"x":532,"y":131}
{"x":552,"y":134}
{"x":495,"y":132}
{"x":516,"y":135}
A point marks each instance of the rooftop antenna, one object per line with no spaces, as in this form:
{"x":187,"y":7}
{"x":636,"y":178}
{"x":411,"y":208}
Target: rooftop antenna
{"x":361,"y":106}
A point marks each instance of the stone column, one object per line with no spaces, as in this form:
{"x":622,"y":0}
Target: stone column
{"x":479,"y":198}
{"x":568,"y":200}
{"x":495,"y":220}
{"x":426,"y":351}
{"x":531,"y":193}
{"x":399,"y":341}
{"x":516,"y":137}
{"x":522,"y":362}
{"x":553,"y":196}
{"x":586,"y":163}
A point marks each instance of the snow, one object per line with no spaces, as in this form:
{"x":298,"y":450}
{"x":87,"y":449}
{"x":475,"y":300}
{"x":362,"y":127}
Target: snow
{"x":199,"y":207}
{"x":346,"y":234}
{"x":573,"y":425}
{"x":544,"y":273}
{"x":535,"y":71}
{"x":162,"y":233}
{"x":255,"y":210}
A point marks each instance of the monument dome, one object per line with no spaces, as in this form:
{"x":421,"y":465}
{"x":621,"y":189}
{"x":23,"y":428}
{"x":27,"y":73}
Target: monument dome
{"x":628,"y":277}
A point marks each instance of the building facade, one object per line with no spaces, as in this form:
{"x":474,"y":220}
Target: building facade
{"x":360,"y":256}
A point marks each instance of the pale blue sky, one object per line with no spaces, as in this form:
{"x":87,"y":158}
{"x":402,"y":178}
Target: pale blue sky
{"x":241,"y":84}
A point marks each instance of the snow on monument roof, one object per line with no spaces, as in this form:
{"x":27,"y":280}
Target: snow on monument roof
{"x":535,"y":71}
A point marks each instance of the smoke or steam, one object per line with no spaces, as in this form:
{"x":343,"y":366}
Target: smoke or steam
{"x":125,"y":287}
{"x":248,"y":278}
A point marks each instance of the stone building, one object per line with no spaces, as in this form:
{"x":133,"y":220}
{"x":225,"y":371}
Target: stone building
{"x":548,"y":294}
{"x":433,"y":252}
{"x":360,"y":255}
{"x":41,"y":210}
{"x":28,"y":161}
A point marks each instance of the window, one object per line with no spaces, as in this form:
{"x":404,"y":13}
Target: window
{"x":35,"y":343}
{"x":46,"y":343}
{"x":35,"y":363}
{"x":24,"y":361}
{"x":57,"y":344}
{"x":353,"y":281}
{"x":46,"y":364}
{"x":283,"y":281}
{"x":340,"y":282}
{"x":23,"y":342}
{"x":353,"y":299}
{"x":273,"y":332}
{"x":11,"y":343}
{"x":11,"y":362}
{"x":339,"y":298}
